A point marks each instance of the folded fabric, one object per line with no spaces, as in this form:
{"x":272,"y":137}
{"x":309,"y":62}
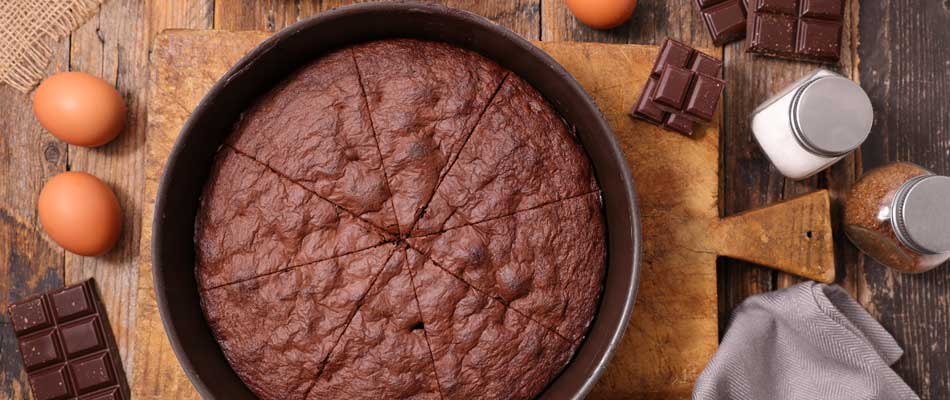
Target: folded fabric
{"x":809,"y":341}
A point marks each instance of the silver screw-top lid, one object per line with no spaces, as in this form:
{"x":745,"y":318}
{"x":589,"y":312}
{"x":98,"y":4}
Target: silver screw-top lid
{"x":921,"y":214}
{"x":831,"y":116}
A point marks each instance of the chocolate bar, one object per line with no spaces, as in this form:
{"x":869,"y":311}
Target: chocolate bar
{"x":804,"y":30}
{"x":683,"y":88}
{"x":67,"y":346}
{"x":725,"y":19}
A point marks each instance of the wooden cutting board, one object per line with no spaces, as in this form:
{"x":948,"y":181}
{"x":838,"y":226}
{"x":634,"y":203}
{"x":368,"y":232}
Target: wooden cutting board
{"x":674,"y":330}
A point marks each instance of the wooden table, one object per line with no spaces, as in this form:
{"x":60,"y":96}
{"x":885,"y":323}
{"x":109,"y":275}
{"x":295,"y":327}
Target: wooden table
{"x":902,"y":59}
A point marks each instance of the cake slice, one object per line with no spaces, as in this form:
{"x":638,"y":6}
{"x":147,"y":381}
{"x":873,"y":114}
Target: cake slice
{"x":253,"y":222}
{"x":314,"y":128}
{"x":383,"y":354}
{"x":277,"y":330}
{"x":424,"y":98}
{"x":547,"y":263}
{"x":482,"y":349}
{"x":521,"y":155}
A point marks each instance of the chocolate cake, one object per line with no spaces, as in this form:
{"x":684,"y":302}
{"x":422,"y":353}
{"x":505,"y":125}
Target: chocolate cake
{"x":400,"y":219}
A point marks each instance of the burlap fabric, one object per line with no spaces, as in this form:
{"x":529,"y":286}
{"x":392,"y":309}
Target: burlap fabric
{"x":27,"y":29}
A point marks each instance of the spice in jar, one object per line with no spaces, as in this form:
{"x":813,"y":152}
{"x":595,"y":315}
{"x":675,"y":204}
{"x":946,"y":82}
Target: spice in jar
{"x":813,"y":123}
{"x":899,"y":215}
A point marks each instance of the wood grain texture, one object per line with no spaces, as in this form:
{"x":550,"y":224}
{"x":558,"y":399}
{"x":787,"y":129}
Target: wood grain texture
{"x":653,"y":21}
{"x":793,"y":237}
{"x":182,"y":73}
{"x":30,"y":261}
{"x":674,"y":330}
{"x":749,"y":179}
{"x":905,"y":59}
{"x":108,"y":46}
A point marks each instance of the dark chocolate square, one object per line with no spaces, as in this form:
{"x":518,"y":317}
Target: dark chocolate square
{"x":825,"y":9}
{"x":776,"y":6}
{"x":645,"y":108}
{"x":819,"y":38}
{"x":726,"y":22}
{"x":774,"y":33}
{"x":40,"y":350}
{"x":805,"y":30}
{"x":71,"y":302}
{"x":680,"y":123}
{"x":706,"y":65}
{"x":672,"y":88}
{"x":108,"y":394}
{"x":30,"y":315}
{"x":92,"y":373}
{"x":704,"y":97}
{"x":672,"y":53}
{"x":51,"y":384}
{"x":708,"y":3}
{"x":82,"y":337}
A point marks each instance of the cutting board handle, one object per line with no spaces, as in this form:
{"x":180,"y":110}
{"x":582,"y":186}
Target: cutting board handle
{"x":793,"y":236}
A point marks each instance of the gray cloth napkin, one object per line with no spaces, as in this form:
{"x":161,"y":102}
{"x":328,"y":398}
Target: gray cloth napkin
{"x":809,"y":341}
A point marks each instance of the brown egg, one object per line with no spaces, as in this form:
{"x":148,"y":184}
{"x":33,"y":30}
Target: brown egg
{"x":602,"y":14}
{"x":79,"y":109}
{"x":80,"y":213}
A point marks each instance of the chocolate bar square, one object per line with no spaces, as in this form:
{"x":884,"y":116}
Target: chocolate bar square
{"x":806,"y":30}
{"x":66,"y":345}
{"x":645,"y":108}
{"x":725,"y":19}
{"x":704,"y":97}
{"x":683,"y":88}
{"x":706,"y":65}
{"x":673,"y":87}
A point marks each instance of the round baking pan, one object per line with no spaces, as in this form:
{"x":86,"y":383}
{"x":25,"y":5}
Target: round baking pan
{"x":208,"y":126}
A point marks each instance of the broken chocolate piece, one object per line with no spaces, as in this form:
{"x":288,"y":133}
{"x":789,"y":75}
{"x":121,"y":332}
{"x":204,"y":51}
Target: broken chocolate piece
{"x":67,"y":346}
{"x":725,"y":19}
{"x":683,"y":88}
{"x":804,"y":30}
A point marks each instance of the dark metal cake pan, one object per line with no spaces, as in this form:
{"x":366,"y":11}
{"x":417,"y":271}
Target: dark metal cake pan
{"x":190,"y":161}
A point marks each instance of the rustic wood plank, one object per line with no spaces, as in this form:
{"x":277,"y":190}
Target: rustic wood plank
{"x":30,"y":262}
{"x":177,"y":83}
{"x":155,"y":372}
{"x":793,"y":236}
{"x":264,"y":15}
{"x":905,"y":56}
{"x":109,"y":46}
{"x":672,"y":333}
{"x":522,"y":16}
{"x":652,"y":21}
{"x":751,"y":181}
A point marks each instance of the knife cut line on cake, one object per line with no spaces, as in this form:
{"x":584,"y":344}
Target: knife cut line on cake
{"x":403,"y":266}
{"x":295,"y":266}
{"x":352,"y":315}
{"x":379,"y":153}
{"x":424,"y":100}
{"x":415,"y":292}
{"x":518,"y":153}
{"x":508,"y":215}
{"x":490,"y":296}
{"x":378,"y":228}
{"x":445,"y":172}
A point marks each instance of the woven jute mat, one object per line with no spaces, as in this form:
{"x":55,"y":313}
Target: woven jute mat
{"x":27,"y":28}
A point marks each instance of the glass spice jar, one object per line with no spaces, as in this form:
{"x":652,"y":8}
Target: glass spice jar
{"x":813,"y":123}
{"x":899,"y":215}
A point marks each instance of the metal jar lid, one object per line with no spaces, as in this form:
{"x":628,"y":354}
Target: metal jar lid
{"x":921,"y":214}
{"x":831,"y":116}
